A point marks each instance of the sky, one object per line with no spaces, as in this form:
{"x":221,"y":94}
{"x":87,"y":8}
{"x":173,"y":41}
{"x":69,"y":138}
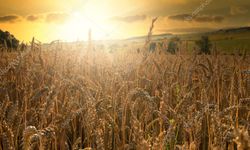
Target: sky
{"x":71,"y":20}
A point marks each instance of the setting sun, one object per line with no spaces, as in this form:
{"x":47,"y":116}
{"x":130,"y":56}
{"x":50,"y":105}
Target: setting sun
{"x":78,"y":24}
{"x":75,"y":28}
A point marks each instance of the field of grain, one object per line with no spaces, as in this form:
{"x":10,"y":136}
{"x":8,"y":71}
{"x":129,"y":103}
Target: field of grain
{"x":124,"y":100}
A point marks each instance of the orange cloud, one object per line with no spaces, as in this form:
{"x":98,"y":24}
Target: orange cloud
{"x":33,"y":17}
{"x":235,"y":10}
{"x":56,"y":17}
{"x":9,"y":18}
{"x":199,"y":18}
{"x":130,"y":19}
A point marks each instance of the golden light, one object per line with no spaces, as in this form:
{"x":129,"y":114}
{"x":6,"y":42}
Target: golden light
{"x":74,"y":28}
{"x":79,"y":23}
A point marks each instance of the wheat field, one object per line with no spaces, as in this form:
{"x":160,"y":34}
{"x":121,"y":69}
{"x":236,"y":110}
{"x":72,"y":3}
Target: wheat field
{"x":126,"y":100}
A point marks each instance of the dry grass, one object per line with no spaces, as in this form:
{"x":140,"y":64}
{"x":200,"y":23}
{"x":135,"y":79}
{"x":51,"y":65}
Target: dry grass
{"x":69,"y":99}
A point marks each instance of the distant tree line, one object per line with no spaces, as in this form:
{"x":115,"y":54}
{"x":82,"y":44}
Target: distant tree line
{"x":8,"y":40}
{"x":204,"y":45}
{"x":171,"y":47}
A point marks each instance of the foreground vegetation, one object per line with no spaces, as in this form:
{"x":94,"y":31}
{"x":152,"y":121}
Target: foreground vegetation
{"x":75,"y":99}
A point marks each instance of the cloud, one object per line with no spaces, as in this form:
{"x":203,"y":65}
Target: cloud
{"x":187,"y":30}
{"x":52,"y":17}
{"x":179,"y":17}
{"x":199,"y":18}
{"x":206,"y":18}
{"x":236,"y":10}
{"x":56,"y":17}
{"x":33,"y":17}
{"x":9,"y":18}
{"x":130,"y":19}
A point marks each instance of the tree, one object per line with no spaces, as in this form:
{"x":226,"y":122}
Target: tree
{"x":8,"y":40}
{"x":173,"y":45}
{"x":204,"y":45}
{"x":152,"y":46}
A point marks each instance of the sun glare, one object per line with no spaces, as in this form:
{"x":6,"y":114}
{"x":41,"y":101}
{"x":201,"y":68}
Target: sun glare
{"x":92,"y":15}
{"x":78,"y":25}
{"x":74,"y":28}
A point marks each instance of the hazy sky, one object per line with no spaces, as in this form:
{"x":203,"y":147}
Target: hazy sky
{"x":49,"y":20}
